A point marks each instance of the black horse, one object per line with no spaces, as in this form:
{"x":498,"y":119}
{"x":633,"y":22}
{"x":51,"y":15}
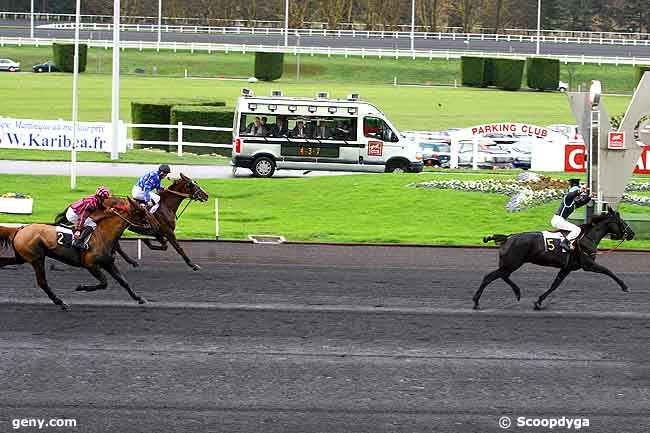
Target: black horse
{"x":531,"y":247}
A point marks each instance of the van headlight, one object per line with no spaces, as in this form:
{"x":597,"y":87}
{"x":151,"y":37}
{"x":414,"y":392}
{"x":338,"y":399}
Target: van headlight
{"x":418,"y":156}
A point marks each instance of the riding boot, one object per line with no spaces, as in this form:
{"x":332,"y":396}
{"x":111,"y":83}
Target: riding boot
{"x":566,"y":245}
{"x":82,"y":242}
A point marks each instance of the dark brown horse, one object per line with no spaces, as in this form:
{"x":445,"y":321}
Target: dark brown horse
{"x":34,"y":242}
{"x":170,"y":200}
{"x":520,"y":248}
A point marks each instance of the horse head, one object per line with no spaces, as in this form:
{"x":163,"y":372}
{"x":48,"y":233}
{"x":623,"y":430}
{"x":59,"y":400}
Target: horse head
{"x":617,"y":227}
{"x":185,"y":185}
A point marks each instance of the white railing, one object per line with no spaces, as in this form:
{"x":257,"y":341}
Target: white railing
{"x":179,"y":143}
{"x":329,"y":51}
{"x":592,"y":38}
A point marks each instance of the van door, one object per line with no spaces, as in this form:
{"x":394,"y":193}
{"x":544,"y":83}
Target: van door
{"x":381,"y":143}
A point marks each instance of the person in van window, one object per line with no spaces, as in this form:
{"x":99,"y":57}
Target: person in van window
{"x":299,"y":131}
{"x":323,"y":131}
{"x":280,"y":128}
{"x":343,"y":131}
{"x":255,"y":128}
{"x":266,"y":128}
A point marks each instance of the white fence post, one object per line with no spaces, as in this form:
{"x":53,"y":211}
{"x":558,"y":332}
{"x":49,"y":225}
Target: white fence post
{"x":139,"y":249}
{"x":180,"y":138}
{"x":216,"y":218}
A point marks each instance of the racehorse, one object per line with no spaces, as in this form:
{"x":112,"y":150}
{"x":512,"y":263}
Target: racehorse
{"x":33,"y":242}
{"x":531,"y":247}
{"x":170,"y":200}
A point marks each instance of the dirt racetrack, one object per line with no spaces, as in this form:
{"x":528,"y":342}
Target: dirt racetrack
{"x":303,"y":338}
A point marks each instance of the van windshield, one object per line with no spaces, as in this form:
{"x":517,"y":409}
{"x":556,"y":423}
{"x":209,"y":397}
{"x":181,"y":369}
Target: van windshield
{"x":277,"y":126}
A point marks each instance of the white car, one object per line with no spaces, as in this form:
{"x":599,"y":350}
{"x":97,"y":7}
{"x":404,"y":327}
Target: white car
{"x":9,"y":65}
{"x":562,"y":86}
{"x":488,"y":155}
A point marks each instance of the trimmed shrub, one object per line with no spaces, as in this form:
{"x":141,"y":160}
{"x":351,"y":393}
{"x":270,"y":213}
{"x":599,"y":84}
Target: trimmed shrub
{"x":638,"y":73}
{"x":542,"y":74}
{"x":508,"y":73}
{"x":63,"y":56}
{"x":489,"y":76}
{"x":472,"y":71}
{"x":269,"y":66}
{"x":159,"y":112}
{"x":219,"y":117}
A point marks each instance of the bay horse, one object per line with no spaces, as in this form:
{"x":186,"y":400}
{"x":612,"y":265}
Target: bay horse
{"x":531,"y":247}
{"x":170,"y":200}
{"x":32,"y":243}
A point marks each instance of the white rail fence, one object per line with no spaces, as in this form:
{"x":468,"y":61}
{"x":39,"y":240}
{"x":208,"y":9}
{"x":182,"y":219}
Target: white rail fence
{"x":329,"y":51}
{"x":180,"y":142}
{"x":558,"y":38}
{"x":260,"y":24}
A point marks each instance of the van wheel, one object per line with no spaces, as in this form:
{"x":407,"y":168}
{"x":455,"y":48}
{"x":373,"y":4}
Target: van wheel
{"x":263,"y":167}
{"x":397,"y":167}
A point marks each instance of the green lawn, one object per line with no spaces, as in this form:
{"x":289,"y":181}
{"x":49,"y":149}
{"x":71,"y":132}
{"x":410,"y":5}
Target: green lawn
{"x":314,"y":69}
{"x":361,"y":208}
{"x":48,"y":96}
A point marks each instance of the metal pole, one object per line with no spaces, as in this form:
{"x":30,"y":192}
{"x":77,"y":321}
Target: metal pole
{"x":298,"y":58}
{"x":286,"y":23}
{"x":75,"y":98}
{"x":412,"y":25}
{"x":31,"y":21}
{"x":539,"y":24}
{"x":159,"y":21}
{"x":115,"y":87}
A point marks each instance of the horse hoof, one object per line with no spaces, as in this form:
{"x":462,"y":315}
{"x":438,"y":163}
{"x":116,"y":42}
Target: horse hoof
{"x":141,"y":301}
{"x":518,"y":297}
{"x":626,"y":290}
{"x":476,"y":307}
{"x":196,"y":267}
{"x":135,"y":265}
{"x":538,"y":305}
{"x":64,"y":306}
{"x":79,"y":289}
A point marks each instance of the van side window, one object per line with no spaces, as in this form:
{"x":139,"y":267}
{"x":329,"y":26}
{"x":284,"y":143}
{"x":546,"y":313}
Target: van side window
{"x":374,"y":127}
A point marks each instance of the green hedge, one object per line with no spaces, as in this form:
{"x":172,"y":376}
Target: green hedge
{"x":269,"y":66}
{"x":203,"y":116}
{"x":638,"y":73}
{"x":63,"y":56}
{"x":489,"y":74}
{"x":542,"y":74}
{"x":472,"y":71}
{"x":159,"y":112}
{"x":508,"y":73}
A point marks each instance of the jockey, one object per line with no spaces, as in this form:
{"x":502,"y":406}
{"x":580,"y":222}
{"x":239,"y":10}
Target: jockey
{"x":577,"y":196}
{"x":79,"y":215}
{"x":142,"y":190}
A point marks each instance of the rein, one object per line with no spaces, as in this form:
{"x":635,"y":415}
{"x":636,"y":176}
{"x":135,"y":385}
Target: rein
{"x":114,"y":212}
{"x":599,"y":253}
{"x":184,"y":195}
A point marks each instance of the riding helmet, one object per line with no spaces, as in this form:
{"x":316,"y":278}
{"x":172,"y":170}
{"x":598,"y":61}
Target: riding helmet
{"x":102,"y":192}
{"x":164,"y":168}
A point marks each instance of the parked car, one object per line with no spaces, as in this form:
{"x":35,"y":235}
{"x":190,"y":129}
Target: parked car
{"x":435,"y":154}
{"x":521,"y":152}
{"x":572,"y":132}
{"x":562,"y":86}
{"x":48,"y":66}
{"x":489,"y":154}
{"x":9,"y":65}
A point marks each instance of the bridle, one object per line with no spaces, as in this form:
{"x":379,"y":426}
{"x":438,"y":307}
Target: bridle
{"x":193,"y":197}
{"x":626,"y":232}
{"x":130,"y":223}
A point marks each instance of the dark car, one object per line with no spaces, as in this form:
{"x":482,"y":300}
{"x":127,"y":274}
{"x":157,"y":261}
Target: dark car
{"x":48,"y":66}
{"x":435,"y":154}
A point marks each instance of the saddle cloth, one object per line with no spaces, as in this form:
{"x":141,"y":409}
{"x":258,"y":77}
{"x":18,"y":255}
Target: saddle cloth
{"x":552,"y":241}
{"x":64,"y":236}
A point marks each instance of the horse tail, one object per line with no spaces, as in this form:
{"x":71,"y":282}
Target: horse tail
{"x":498,"y":239}
{"x":7,"y":236}
{"x":60,"y":218}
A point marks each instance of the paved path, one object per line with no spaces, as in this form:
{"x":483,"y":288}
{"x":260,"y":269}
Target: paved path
{"x":59,"y":168}
{"x":304,"y":338}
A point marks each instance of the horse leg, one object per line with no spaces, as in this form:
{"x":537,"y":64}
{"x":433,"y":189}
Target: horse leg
{"x":515,"y":288}
{"x":499,"y":273}
{"x":600,"y":269}
{"x":556,"y":283}
{"x":39,"y":269}
{"x":115,"y":273}
{"x":179,"y":250}
{"x":161,"y":247}
{"x":97,"y":273}
{"x":118,"y":249}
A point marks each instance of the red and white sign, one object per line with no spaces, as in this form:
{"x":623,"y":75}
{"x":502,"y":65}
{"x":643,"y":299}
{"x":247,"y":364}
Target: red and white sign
{"x":574,"y":159}
{"x":375,"y":148}
{"x":616,"y":140}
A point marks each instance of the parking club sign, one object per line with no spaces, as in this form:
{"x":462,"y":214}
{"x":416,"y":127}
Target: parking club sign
{"x":616,"y":140}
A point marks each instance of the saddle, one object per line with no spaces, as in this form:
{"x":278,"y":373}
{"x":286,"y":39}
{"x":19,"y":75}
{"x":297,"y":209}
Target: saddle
{"x":553,"y":240}
{"x":64,"y":236}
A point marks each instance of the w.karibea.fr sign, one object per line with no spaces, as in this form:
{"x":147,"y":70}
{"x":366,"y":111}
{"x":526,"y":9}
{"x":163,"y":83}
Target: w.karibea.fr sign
{"x":57,"y":135}
{"x":574,"y":159}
